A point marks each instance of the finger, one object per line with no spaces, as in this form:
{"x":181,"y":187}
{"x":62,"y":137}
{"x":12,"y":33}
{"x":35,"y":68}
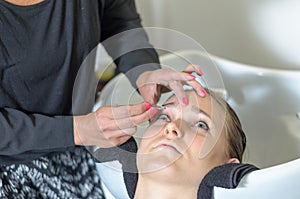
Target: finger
{"x":133,"y":121}
{"x":150,"y":93}
{"x":121,"y":140}
{"x":164,"y":76}
{"x":175,"y":76}
{"x":177,"y":88}
{"x":193,"y":68}
{"x":120,"y":112}
{"x":197,"y":87}
{"x":115,"y":137}
{"x":116,"y":134}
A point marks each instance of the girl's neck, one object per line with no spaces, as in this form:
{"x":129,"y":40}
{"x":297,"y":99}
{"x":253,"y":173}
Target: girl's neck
{"x":150,"y":188}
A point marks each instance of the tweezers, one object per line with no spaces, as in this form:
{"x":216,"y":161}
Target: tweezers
{"x":159,"y":107}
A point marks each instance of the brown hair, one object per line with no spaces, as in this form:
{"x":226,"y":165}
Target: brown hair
{"x":235,"y":136}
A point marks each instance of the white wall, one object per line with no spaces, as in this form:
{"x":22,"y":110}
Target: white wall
{"x":256,"y":32}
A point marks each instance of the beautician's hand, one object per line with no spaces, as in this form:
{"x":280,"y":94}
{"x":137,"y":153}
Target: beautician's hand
{"x":152,"y":83}
{"x":110,"y":126}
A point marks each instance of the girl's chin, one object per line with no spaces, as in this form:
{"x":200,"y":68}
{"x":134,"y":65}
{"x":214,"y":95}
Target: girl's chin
{"x":156,"y":161}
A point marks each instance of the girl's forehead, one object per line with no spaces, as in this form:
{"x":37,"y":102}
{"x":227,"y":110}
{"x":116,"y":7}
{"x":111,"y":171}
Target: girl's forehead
{"x":194,"y":101}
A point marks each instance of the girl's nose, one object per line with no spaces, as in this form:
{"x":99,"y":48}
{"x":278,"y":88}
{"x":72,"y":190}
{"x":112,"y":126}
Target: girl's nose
{"x":172,"y":131}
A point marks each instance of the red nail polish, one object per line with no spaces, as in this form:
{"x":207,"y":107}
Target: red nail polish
{"x":147,"y":106}
{"x":193,"y":76}
{"x":185,"y":101}
{"x":200,"y":72}
{"x":154,"y":111}
{"x":203,"y":93}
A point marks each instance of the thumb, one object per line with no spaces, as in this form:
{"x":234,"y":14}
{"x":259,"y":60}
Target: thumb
{"x":150,"y":100}
{"x":152,"y":94}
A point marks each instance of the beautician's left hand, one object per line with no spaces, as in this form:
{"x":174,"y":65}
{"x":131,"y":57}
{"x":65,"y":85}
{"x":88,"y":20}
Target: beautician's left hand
{"x":152,"y":83}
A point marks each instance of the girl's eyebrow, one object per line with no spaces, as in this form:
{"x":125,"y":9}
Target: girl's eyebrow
{"x":170,"y":104}
{"x":199,"y":110}
{"x":194,"y":109}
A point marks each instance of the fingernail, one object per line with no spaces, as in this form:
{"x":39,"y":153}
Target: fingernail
{"x":192,"y":76}
{"x":147,"y":106}
{"x":200,"y":72}
{"x":203,"y":93}
{"x":154,"y":111}
{"x":185,"y":101}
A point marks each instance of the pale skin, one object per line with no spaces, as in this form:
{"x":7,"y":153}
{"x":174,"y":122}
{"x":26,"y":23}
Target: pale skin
{"x":113,"y":126}
{"x":108,"y":122}
{"x":169,"y":152}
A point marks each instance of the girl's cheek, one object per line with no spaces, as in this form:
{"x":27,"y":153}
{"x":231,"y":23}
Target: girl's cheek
{"x":152,"y":131}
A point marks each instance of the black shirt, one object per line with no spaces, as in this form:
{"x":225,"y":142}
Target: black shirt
{"x":42,"y":47}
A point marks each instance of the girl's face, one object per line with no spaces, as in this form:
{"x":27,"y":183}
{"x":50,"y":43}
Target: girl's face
{"x":184,"y":143}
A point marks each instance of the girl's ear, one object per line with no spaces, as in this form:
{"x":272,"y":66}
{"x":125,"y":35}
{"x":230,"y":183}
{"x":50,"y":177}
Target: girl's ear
{"x":233,"y":160}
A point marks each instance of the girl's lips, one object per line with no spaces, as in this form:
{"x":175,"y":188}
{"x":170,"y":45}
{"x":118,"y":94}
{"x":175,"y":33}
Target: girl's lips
{"x":167,"y":145}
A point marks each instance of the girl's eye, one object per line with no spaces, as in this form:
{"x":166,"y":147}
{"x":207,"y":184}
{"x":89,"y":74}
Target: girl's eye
{"x":163,"y":117}
{"x":202,"y":125}
{"x":160,"y":118}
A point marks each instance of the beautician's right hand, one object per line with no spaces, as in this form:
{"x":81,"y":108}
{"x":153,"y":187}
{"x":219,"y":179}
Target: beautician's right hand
{"x":110,"y":125}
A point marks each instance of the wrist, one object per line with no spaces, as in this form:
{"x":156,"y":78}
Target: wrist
{"x":77,"y":140}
